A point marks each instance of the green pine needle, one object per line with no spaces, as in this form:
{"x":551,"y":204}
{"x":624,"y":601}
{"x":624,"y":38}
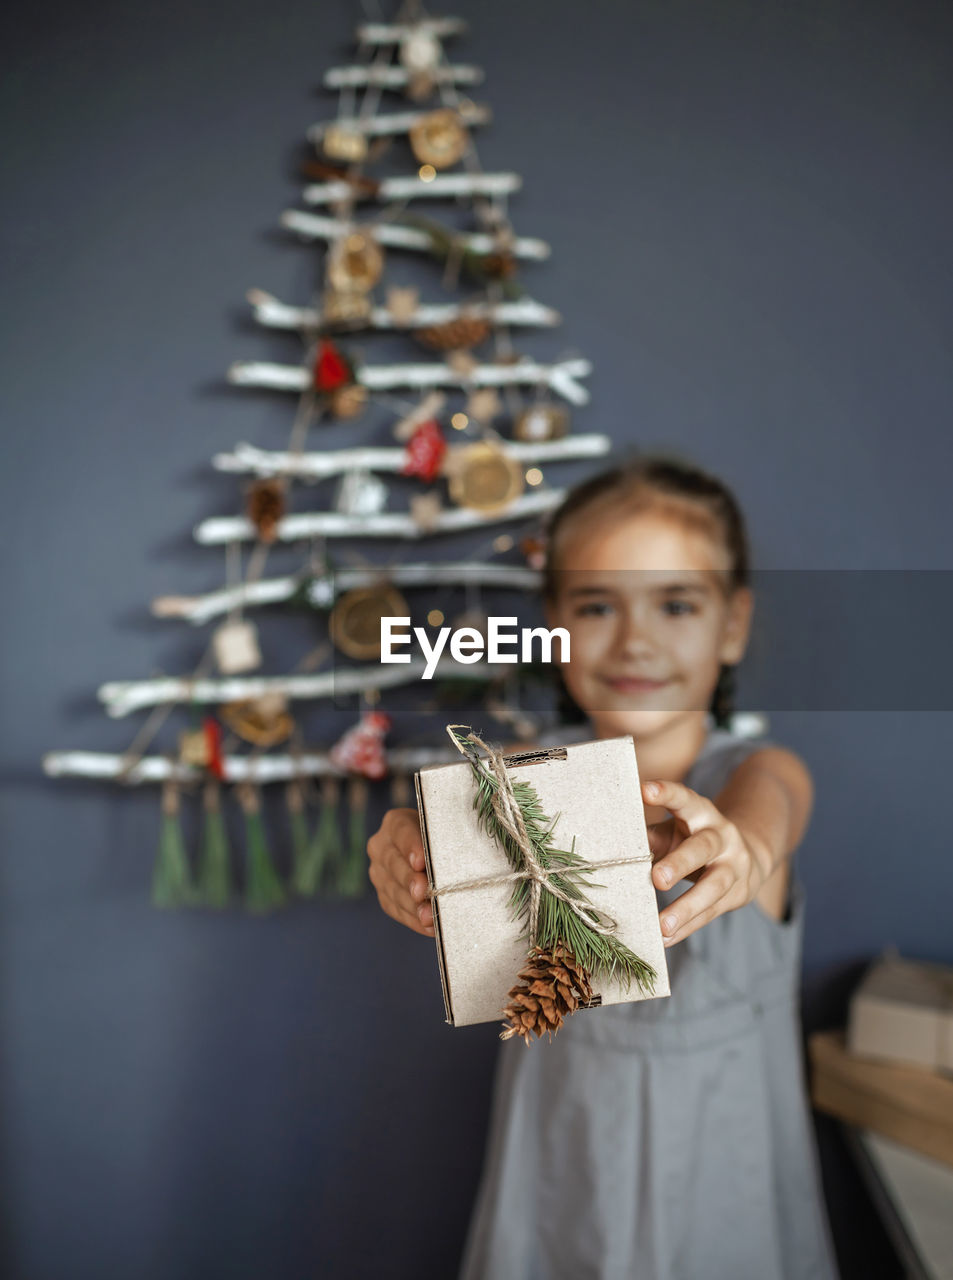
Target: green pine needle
{"x":171,"y":878}
{"x":557,"y":922}
{"x":352,"y":880}
{"x":263,"y":888}
{"x":320,"y":856}
{"x":214,"y":878}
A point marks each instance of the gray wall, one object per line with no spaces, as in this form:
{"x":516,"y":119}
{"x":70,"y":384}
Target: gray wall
{"x":750,"y":207}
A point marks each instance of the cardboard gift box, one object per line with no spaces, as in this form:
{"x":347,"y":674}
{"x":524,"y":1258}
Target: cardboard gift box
{"x":592,"y":791}
{"x":904,"y":1103}
{"x":903,"y":1012}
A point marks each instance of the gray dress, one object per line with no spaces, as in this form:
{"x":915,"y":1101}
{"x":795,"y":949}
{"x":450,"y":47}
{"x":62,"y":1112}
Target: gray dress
{"x":668,"y":1139}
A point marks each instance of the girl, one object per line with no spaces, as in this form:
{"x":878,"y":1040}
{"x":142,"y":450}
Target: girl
{"x":666,"y":1139}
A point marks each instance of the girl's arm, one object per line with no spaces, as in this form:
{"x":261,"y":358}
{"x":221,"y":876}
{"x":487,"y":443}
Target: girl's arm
{"x":732,"y":846}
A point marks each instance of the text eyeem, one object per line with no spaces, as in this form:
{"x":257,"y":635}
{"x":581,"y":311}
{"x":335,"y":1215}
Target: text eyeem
{"x":467,"y":644}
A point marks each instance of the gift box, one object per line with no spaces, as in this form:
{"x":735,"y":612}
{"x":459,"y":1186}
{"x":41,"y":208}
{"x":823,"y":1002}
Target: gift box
{"x":907,"y":1104}
{"x":587,"y":798}
{"x":903,"y":1012}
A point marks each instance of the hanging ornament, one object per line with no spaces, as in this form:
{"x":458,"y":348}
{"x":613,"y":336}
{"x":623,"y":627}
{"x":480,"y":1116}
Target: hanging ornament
{"x":352,"y":877}
{"x":171,"y":877}
{"x":425,"y":451}
{"x":541,"y":422}
{"x":428,"y":407}
{"x":359,"y":183}
{"x":265,"y":505}
{"x":484,"y":404}
{"x":493,"y":266}
{"x":318,"y":860}
{"x":345,"y":307}
{"x":264,"y":721}
{"x":361,"y":749}
{"x":235,"y":646}
{"x":534,"y":549}
{"x":355,"y":621}
{"x":263,"y":888}
{"x":485,"y":478}
{"x":355,"y":262}
{"x":214,"y":879}
{"x":425,"y":509}
{"x":455,"y":335}
{"x":420,"y":50}
{"x":439,"y":138}
{"x":343,"y":142}
{"x":348,"y":402}
{"x":332,"y":369}
{"x":360,"y":493}
{"x":402,"y":303}
{"x":202,"y":748}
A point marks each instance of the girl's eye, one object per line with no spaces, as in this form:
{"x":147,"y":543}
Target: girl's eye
{"x":678,"y":608}
{"x":597,"y":609}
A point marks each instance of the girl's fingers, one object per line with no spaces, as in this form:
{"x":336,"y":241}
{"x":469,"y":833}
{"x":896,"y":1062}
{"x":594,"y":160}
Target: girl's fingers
{"x":696,"y":907}
{"x":688,"y":806}
{"x":691,"y":855}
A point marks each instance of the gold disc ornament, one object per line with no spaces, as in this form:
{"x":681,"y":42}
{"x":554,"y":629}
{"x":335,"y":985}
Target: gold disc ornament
{"x":439,"y":138}
{"x":485,"y":478}
{"x":342,"y":142}
{"x":355,"y":621}
{"x":355,"y":263}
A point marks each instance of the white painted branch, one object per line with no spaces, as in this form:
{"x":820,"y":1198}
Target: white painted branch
{"x":333,"y":524}
{"x":278,"y":315}
{"x":199,"y":609}
{"x":414,"y":188}
{"x":263,"y":769}
{"x":394,"y":32}
{"x":316,"y":466}
{"x":317,"y":227}
{"x":398,"y":77}
{"x":395,"y":122}
{"x":124,"y":696}
{"x":560,"y":377}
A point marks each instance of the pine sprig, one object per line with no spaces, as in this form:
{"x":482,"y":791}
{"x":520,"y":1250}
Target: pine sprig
{"x":557,"y":922}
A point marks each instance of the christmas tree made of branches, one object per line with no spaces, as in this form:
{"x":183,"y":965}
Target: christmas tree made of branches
{"x":408,"y":352}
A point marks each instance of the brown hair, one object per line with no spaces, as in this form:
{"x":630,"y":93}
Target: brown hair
{"x":651,"y":481}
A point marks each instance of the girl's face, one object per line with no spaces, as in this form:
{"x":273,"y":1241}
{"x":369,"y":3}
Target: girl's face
{"x":643,"y":597}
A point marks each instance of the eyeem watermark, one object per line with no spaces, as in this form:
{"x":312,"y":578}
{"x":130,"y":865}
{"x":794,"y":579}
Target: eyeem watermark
{"x":467,"y":644}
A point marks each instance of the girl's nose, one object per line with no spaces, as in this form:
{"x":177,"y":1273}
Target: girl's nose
{"x":634,"y":638}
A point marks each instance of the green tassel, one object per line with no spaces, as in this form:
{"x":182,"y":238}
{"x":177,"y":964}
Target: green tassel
{"x":263,"y":888}
{"x":319,"y":857}
{"x":171,"y":878}
{"x":352,"y":876}
{"x":214,"y":878}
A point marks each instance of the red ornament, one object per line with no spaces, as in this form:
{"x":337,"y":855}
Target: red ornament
{"x":425,"y":450}
{"x":331,"y":370}
{"x":361,"y":749}
{"x":213,"y":746}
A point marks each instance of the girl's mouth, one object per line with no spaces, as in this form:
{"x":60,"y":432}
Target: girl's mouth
{"x":631,"y":684}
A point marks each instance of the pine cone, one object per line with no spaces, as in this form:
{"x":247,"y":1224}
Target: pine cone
{"x":455,"y":335}
{"x":265,"y":507}
{"x":552,"y":984}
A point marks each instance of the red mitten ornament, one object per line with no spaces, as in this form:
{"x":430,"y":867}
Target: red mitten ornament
{"x":331,"y":369}
{"x":425,"y":450}
{"x":361,"y":750}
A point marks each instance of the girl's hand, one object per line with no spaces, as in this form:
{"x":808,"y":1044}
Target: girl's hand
{"x":699,"y":843}
{"x":396,"y":853}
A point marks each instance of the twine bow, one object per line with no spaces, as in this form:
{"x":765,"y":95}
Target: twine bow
{"x":507,"y":811}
